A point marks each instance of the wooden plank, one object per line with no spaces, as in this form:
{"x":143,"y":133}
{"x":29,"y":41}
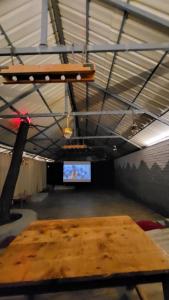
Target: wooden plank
{"x":47,"y":69}
{"x":77,"y":248}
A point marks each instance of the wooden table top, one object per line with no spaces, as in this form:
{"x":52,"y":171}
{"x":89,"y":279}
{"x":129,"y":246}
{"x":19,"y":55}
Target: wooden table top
{"x":76,"y":248}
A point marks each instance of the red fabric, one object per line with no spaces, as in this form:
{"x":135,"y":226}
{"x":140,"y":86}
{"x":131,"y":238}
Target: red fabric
{"x":149,"y":225}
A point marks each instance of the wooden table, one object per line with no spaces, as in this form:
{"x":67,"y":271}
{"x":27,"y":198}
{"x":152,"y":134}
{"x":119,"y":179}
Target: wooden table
{"x":60,"y":255}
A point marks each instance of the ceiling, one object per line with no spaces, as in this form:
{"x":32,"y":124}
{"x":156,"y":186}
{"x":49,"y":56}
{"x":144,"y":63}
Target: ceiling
{"x":125,"y":80}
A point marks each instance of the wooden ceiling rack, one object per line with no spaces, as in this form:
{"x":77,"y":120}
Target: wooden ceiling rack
{"x":76,"y":146}
{"x":47,"y":73}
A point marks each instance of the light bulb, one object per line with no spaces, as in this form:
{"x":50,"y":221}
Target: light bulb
{"x":47,"y":77}
{"x":14,"y":78}
{"x":67,"y":132}
{"x":62,"y":77}
{"x":31,"y":78}
{"x":78,"y":77}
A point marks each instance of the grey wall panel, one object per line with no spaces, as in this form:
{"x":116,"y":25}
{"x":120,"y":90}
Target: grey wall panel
{"x":144,"y":176}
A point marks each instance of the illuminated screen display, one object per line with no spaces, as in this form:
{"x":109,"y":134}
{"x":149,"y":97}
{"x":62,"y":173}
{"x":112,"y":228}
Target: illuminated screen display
{"x":74,"y":171}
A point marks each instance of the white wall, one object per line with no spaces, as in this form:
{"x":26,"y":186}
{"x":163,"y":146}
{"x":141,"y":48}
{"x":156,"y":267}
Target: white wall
{"x":32,"y":176}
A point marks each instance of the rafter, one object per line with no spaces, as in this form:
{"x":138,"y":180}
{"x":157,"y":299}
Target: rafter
{"x":68,"y":49}
{"x":37,"y":89}
{"x":131,"y":104}
{"x":73,"y":114}
{"x":113,"y":62}
{"x":138,"y":12}
{"x":121,"y":136}
{"x":145,"y":83}
{"x":58,"y":25}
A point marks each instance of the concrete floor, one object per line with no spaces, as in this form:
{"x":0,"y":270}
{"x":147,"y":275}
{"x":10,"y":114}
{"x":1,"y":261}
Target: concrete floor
{"x":88,"y":202}
{"x":85,"y":202}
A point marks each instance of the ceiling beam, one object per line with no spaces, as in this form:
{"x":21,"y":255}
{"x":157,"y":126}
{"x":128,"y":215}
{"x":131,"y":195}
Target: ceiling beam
{"x":145,"y":83}
{"x":121,"y":136}
{"x":138,"y":12}
{"x":37,"y":89}
{"x":19,"y":97}
{"x":17,"y":113}
{"x":73,"y":114}
{"x":87,"y":57}
{"x":131,"y":104}
{"x":87,"y":137}
{"x":125,"y":15}
{"x":14,"y":133}
{"x":96,"y":137}
{"x":68,"y":49}
{"x":54,"y":6}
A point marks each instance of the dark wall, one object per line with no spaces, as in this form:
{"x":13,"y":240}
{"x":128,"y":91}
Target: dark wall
{"x":144,"y":176}
{"x":102,"y":174}
{"x":55,"y":173}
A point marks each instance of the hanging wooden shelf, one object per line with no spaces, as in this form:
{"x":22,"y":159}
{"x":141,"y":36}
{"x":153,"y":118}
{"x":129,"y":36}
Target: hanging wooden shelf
{"x":17,"y":74}
{"x":75,"y":146}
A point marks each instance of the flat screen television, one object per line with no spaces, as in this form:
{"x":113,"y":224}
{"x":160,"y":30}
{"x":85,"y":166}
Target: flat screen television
{"x":76,"y":171}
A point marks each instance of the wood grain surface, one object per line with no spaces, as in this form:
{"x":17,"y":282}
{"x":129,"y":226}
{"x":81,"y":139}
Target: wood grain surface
{"x":52,"y":68}
{"x":80,"y":247}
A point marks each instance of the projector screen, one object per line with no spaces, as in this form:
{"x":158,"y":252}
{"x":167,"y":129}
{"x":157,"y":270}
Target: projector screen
{"x":76,"y":171}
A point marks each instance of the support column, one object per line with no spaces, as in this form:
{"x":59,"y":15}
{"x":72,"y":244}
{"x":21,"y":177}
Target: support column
{"x":13,"y":172}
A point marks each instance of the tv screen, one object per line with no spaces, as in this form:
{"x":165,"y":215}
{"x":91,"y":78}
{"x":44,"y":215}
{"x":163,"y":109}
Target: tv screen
{"x":74,"y":171}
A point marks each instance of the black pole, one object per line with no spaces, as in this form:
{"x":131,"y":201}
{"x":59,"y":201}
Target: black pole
{"x":13,"y":172}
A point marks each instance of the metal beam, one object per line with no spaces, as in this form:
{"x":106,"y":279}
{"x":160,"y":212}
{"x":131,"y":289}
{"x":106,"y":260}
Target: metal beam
{"x":16,"y":116}
{"x":138,"y":12}
{"x":73,"y":114}
{"x":60,"y":34}
{"x":112,"y":64}
{"x":121,"y":136}
{"x":44,"y":23}
{"x":19,"y":97}
{"x":96,"y":137}
{"x":145,"y":83}
{"x":14,"y":133}
{"x":87,"y":137}
{"x":87,"y":57}
{"x":68,"y":49}
{"x":131,"y":104}
{"x":21,"y":62}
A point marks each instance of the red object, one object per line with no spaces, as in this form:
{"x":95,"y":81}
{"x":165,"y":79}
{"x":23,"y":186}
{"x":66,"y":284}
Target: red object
{"x":17,"y":121}
{"x":149,"y":225}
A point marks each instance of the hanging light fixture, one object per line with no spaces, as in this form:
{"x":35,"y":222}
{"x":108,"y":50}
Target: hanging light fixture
{"x":67,"y":131}
{"x":17,"y":74}
{"x":134,"y":126}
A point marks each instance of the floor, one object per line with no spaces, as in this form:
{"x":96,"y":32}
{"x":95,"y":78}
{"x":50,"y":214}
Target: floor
{"x":85,"y":202}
